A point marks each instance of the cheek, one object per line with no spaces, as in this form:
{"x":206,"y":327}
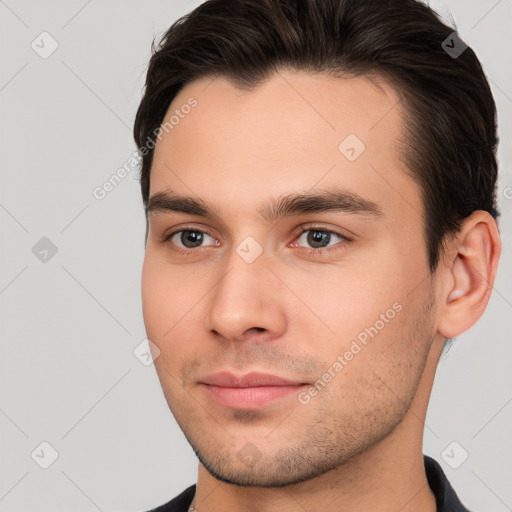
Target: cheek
{"x":343,"y":302}
{"x":152,"y":298}
{"x":377,"y":366}
{"x":163,"y":302}
{"x":171,"y":308}
{"x":165,"y":292}
{"x":158,"y":305}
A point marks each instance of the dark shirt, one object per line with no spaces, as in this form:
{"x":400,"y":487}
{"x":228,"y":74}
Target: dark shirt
{"x":446,"y":498}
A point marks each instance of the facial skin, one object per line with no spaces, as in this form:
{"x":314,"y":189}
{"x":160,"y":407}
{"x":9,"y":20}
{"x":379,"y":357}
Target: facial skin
{"x":294,"y":309}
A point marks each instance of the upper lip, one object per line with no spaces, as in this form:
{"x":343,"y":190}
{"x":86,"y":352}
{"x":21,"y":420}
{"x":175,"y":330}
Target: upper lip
{"x":249,"y":380}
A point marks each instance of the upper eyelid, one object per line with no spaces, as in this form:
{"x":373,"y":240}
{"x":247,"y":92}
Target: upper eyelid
{"x":301,"y":229}
{"x":175,"y":231}
{"x":343,"y":237}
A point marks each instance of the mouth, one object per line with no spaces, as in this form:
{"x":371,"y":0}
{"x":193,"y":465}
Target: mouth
{"x":251,"y":391}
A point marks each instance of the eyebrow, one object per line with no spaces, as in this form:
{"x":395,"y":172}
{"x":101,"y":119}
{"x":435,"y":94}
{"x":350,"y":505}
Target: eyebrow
{"x":329,"y":200}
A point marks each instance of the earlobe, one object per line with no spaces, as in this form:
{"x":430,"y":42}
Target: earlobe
{"x":469,"y":274}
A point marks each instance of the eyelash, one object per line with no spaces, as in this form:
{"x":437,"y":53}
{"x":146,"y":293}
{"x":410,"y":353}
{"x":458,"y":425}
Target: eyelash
{"x":305,"y":229}
{"x":314,"y":252}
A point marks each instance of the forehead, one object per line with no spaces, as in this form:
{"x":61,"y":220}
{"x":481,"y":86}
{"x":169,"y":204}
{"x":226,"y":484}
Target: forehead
{"x":292,"y":132}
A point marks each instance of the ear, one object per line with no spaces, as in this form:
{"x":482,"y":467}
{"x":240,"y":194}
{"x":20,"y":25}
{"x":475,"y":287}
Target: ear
{"x":469,"y":267}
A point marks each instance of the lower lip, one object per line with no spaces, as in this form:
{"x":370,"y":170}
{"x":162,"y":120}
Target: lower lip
{"x":249,"y":398}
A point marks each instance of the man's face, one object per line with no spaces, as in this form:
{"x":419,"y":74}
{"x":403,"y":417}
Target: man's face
{"x":337,"y":301}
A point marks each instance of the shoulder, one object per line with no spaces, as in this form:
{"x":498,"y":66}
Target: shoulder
{"x":178,"y":504}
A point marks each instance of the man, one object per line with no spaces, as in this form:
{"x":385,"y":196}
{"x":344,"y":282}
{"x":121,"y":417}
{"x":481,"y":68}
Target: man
{"x":319,"y":183}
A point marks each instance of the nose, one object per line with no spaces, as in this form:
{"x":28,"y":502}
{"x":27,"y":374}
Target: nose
{"x":247,"y":302}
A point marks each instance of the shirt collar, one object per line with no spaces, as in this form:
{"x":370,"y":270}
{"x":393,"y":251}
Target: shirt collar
{"x":446,"y":498}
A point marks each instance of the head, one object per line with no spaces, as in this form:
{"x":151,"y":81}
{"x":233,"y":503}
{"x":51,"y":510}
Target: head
{"x":319,"y":182}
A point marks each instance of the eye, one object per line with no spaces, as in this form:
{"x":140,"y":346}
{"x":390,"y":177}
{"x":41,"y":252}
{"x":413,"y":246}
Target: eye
{"x":320,"y":238}
{"x":188,"y":238}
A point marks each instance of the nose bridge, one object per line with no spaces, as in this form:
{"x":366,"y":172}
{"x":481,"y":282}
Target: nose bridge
{"x":245,"y":297}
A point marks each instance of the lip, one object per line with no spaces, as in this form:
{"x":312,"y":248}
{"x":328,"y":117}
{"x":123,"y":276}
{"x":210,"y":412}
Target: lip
{"x":250,"y":391}
{"x":249,"y":380}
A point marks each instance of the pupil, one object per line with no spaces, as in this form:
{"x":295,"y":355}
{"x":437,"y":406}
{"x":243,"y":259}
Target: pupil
{"x":191,"y":237}
{"x":317,"y":237}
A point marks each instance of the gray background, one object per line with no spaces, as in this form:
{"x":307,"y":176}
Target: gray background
{"x":69,"y":326}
